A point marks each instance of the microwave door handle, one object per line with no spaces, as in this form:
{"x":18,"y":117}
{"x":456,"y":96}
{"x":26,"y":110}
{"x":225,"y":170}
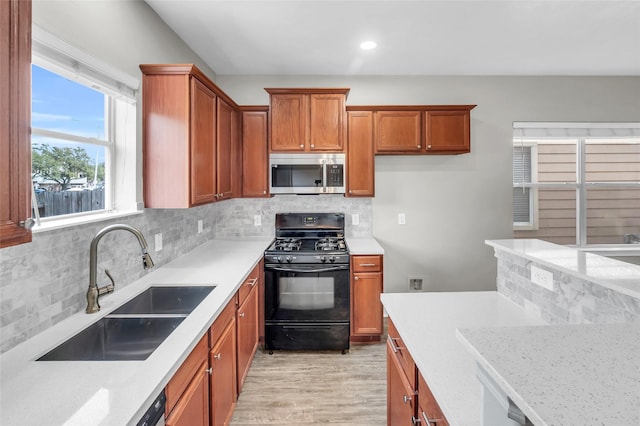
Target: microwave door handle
{"x":301,"y":271}
{"x":324,"y":175}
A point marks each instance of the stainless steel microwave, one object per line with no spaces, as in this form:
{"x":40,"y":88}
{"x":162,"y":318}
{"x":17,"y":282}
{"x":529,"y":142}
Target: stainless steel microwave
{"x":307,"y":173}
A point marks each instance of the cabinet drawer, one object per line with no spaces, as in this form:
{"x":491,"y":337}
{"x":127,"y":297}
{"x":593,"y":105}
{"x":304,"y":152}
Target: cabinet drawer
{"x":219,"y":325}
{"x":402,"y":354}
{"x":180,"y":380}
{"x":248,"y":284}
{"x":429,"y":411}
{"x":366,"y":263}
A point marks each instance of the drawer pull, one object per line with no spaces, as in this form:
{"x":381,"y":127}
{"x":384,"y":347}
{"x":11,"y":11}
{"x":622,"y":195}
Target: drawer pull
{"x":241,"y":314}
{"x":217,"y":356}
{"x":394,"y":347}
{"x":252,"y":282}
{"x":406,"y":399}
{"x":209,"y":370}
{"x":367,"y":264}
{"x":429,"y":422}
{"x":415,"y":420}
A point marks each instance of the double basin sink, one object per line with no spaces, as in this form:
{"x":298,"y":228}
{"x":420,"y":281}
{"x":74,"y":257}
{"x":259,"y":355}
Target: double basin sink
{"x":135,"y":329}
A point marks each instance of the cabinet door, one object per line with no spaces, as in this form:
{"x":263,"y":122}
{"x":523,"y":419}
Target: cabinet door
{"x":15,"y":121}
{"x":193,"y":407}
{"x":222,"y":360}
{"x":288,"y":122}
{"x":224,"y":150}
{"x":360,"y":167}
{"x":401,"y":398}
{"x":447,"y":132}
{"x":429,"y":411}
{"x":367,"y":309}
{"x":236,"y":154}
{"x":255,"y":159}
{"x":397,"y":132}
{"x":247,"y":322}
{"x":326,"y":122}
{"x":203,"y":154}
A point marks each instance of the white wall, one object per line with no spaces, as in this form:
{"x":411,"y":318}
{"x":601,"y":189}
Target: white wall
{"x":454,"y":203}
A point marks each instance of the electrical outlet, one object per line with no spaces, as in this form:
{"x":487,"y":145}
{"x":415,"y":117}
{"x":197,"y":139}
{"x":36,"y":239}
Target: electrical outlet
{"x":257,"y":220}
{"x":415,"y":284}
{"x":200,"y":226}
{"x":158,"y":242}
{"x":542,"y":277}
{"x":402,"y":219}
{"x":355,"y":219}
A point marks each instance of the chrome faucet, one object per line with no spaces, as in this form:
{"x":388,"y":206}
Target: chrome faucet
{"x":631,"y":239}
{"x":94,"y":292}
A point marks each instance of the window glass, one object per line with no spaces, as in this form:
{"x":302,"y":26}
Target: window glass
{"x":69,"y":145}
{"x":612,"y":213}
{"x":556,"y":160}
{"x":556,"y":216}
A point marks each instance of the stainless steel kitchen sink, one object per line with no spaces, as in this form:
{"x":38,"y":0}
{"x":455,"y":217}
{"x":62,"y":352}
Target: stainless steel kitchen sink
{"x":178,"y":300}
{"x":135,"y":329}
{"x":116,"y":339}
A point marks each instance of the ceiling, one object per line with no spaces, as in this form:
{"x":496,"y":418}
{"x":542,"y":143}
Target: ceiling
{"x":419,"y":37}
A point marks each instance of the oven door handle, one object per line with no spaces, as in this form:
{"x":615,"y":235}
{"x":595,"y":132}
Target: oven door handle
{"x":305,"y":270}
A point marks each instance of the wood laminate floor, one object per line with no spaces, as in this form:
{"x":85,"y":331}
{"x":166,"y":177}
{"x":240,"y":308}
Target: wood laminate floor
{"x":294,"y":388}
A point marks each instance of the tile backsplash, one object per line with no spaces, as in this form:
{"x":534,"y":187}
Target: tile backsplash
{"x":45,"y":281}
{"x":573,"y":301}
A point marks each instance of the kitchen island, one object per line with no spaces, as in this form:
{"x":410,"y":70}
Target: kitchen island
{"x":118,"y":392}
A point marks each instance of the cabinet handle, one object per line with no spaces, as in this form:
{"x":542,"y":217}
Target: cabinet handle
{"x":406,"y":399}
{"x":428,"y":146}
{"x":393,"y":344}
{"x":356,"y":278}
{"x":209,"y":370}
{"x":313,"y":146}
{"x":241,"y":314}
{"x":415,"y":420}
{"x":264,"y":192}
{"x":301,"y":146}
{"x":367,"y":264}
{"x":419,"y":146}
{"x":252,"y":282}
{"x":217,"y":356}
{"x":428,"y":421}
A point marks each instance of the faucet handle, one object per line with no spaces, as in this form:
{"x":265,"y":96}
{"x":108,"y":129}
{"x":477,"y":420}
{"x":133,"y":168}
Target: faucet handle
{"x":109,"y":287}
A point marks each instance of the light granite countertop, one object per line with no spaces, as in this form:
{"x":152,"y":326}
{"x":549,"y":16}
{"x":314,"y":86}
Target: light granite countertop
{"x":567,"y":374}
{"x":118,"y":392}
{"x":427,"y":323}
{"x":363,"y":246}
{"x":610,"y":273}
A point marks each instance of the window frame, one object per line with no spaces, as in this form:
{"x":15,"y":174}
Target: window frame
{"x":532,"y":225}
{"x":120,"y":143}
{"x":581,"y":185}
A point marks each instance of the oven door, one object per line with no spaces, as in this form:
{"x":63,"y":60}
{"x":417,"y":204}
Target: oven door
{"x":306,"y":293}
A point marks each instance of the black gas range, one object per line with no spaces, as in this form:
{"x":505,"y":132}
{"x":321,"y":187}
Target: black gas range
{"x":307,"y":283}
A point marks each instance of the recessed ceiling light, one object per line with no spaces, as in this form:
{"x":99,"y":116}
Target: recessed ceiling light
{"x":368,"y":45}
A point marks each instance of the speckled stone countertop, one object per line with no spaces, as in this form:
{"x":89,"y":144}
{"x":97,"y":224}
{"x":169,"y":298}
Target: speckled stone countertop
{"x":564,"y":375}
{"x":118,"y":392}
{"x":611,"y":273}
{"x":427,"y":323}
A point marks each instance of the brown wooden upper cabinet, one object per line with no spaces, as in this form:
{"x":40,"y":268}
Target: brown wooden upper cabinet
{"x":420,"y":129}
{"x":190,"y":138}
{"x":15,"y":122}
{"x":255,"y":155}
{"x":307,"y":119}
{"x":360,"y":160}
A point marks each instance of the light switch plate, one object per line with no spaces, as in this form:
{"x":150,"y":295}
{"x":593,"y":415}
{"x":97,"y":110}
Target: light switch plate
{"x":542,"y":277}
{"x":200,"y":226}
{"x":257,"y":220}
{"x":159,"y":242}
{"x":355,"y":219}
{"x":402,"y":219}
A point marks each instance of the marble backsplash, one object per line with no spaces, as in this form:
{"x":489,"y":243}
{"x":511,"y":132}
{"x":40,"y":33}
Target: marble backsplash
{"x":573,"y":301}
{"x":45,"y":281}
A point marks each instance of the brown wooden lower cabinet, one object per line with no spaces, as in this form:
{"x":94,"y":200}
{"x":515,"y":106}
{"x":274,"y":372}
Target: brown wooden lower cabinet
{"x":247,"y":321}
{"x":366,"y":308}
{"x":223,"y":390}
{"x":429,"y":413}
{"x":401,"y":395}
{"x":193,"y":407}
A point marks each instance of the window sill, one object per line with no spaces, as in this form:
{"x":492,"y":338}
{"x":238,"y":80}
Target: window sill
{"x":81,"y":220}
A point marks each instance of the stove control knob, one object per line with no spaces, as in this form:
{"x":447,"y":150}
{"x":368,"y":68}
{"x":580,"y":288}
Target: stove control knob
{"x":323,"y":259}
{"x":332,"y":259}
{"x":289,"y":259}
{"x":277,"y":259}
